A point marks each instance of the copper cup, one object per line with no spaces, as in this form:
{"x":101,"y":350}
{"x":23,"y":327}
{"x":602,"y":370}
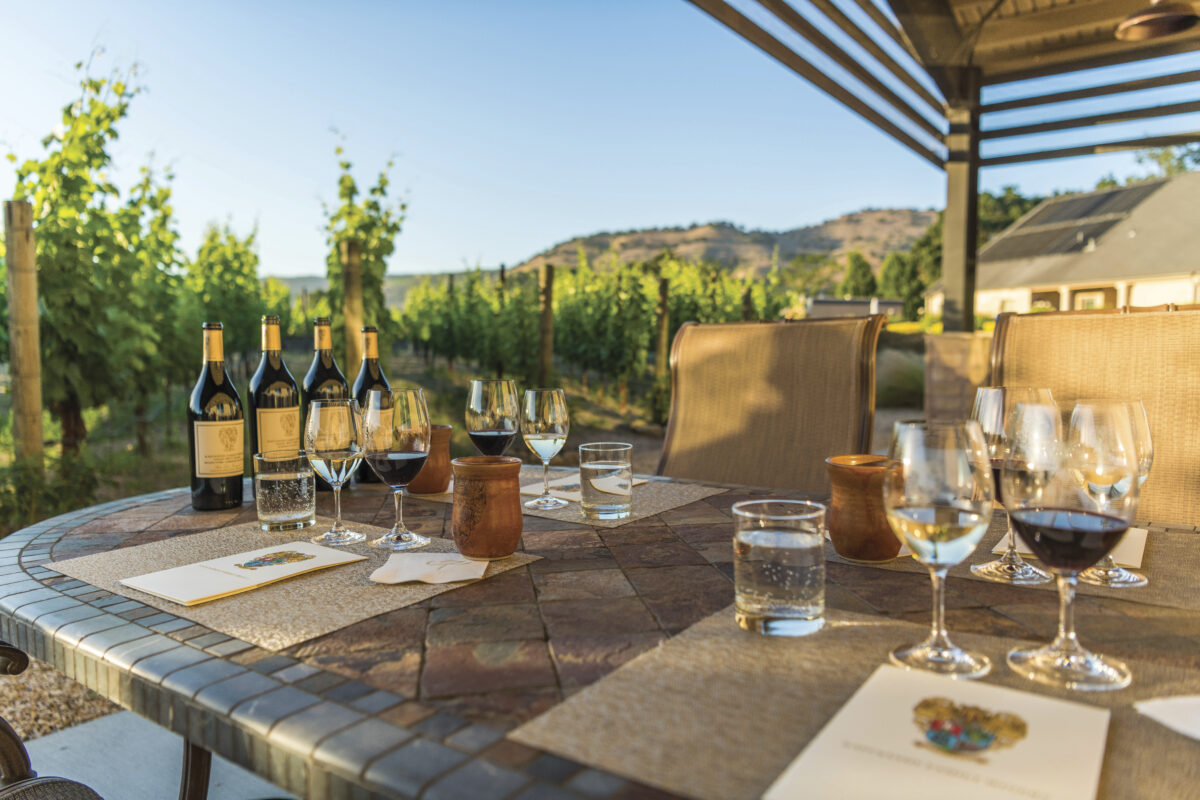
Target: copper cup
{"x":434,"y":477}
{"x":486,"y":519}
{"x":857,"y":523}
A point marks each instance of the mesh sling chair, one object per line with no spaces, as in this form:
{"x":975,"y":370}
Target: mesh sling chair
{"x":765,"y":403}
{"x":1147,"y":353}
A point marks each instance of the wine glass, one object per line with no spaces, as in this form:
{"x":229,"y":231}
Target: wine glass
{"x":398,"y":437}
{"x":544,"y":426}
{"x":492,"y":415}
{"x":1071,"y":504}
{"x":993,"y":407}
{"x":333,"y":443}
{"x":937,"y":493}
{"x":1107,"y":573}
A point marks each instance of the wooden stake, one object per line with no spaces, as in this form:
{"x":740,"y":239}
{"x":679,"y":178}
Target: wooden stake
{"x":352,"y":301}
{"x":546,"y":332}
{"x":23,"y":336}
{"x":661,"y":350}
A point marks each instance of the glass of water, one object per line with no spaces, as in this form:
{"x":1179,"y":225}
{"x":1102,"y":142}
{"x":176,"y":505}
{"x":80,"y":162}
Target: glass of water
{"x":606,"y":479}
{"x":779,"y":566}
{"x":285,"y":491}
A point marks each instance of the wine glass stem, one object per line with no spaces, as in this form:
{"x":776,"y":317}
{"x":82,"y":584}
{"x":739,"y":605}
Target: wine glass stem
{"x":545,"y":477}
{"x":937,"y":632}
{"x":1066,"y":613}
{"x":398,"y":499}
{"x":337,"y":507}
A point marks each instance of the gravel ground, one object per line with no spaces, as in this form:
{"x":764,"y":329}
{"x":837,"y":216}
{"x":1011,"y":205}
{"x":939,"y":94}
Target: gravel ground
{"x":42,"y":700}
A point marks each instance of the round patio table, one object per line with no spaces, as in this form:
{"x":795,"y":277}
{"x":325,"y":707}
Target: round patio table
{"x":417,"y":701}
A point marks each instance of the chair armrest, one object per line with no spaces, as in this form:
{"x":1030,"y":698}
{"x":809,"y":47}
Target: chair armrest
{"x":13,"y":661}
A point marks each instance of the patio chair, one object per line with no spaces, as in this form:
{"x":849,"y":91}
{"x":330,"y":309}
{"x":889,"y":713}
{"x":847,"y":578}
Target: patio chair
{"x":1147,"y":353}
{"x":765,"y":403}
{"x":17,"y":777}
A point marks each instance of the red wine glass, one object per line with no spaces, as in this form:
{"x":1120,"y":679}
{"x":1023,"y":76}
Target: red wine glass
{"x":493,"y":416}
{"x":397,"y":434}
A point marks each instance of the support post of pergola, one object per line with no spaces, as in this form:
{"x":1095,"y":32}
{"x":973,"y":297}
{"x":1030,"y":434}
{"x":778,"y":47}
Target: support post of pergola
{"x":960,"y":228}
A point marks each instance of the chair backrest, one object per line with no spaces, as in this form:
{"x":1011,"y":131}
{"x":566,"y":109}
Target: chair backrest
{"x":765,"y":403}
{"x":1152,"y":354}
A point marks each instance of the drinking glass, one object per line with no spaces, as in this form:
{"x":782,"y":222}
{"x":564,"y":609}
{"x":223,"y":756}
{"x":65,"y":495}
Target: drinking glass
{"x":544,"y":426}
{"x":1107,"y":573}
{"x":779,"y":566}
{"x":606,"y":480}
{"x":396,"y":425}
{"x":937,"y":494}
{"x":992,"y":409}
{"x":333,"y":443}
{"x":492,"y":415}
{"x":1071,"y":504}
{"x":285,"y":492}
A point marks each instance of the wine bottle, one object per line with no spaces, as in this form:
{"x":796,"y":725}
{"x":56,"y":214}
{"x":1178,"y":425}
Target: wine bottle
{"x":323,"y":381}
{"x":370,"y":376}
{"x":216,"y":432}
{"x":273,"y":401}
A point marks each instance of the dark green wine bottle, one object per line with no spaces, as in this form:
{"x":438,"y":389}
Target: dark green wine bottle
{"x":216,"y":431}
{"x":370,"y":376}
{"x":323,"y":381}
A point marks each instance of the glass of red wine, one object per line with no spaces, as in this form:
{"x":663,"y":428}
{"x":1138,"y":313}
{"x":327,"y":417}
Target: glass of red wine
{"x":396,"y":425}
{"x":1071,"y":502}
{"x":992,"y":410}
{"x":493,"y":416}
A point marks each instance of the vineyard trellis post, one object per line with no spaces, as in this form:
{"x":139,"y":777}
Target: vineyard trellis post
{"x":748,"y":314}
{"x":546,"y":330}
{"x":23,"y":335}
{"x":661,"y":358}
{"x":352,"y":300}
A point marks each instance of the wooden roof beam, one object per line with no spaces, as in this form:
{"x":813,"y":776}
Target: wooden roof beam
{"x":1094,"y":91}
{"x":1107,"y":53}
{"x":1028,"y":29}
{"x":1127,"y":115}
{"x":885,"y":24}
{"x":934,"y":32}
{"x":1093,"y":149}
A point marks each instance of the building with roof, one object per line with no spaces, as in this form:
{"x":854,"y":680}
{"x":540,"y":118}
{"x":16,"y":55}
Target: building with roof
{"x":1133,"y":245}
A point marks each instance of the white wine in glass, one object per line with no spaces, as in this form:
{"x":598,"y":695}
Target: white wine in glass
{"x":333,"y":443}
{"x":544,"y":427}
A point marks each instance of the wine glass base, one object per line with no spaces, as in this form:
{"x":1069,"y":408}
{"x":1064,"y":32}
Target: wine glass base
{"x":1080,"y":670}
{"x":338,"y":538}
{"x":546,"y":503}
{"x":1019,"y":573}
{"x":1113,"y":577}
{"x":950,"y":661}
{"x":400,"y":541}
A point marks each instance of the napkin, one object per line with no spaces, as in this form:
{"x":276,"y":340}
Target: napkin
{"x":1127,"y":553}
{"x":428,"y":568}
{"x":567,"y":488}
{"x":1180,"y":714}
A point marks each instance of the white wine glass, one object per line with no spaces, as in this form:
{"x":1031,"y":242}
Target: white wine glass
{"x":992,"y":410}
{"x":1072,"y":506}
{"x":937,"y":494}
{"x":333,"y":443}
{"x":544,"y":426}
{"x":396,"y":425}
{"x":1107,"y":572}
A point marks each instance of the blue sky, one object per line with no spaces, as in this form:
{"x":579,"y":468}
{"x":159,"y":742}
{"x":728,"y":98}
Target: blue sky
{"x":514,"y":125}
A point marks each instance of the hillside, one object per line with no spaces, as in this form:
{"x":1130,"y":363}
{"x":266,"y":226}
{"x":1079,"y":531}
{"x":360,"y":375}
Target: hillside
{"x":874,"y":232}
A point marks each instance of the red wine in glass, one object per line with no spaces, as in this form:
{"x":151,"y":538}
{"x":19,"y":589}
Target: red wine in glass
{"x":1068,"y":539}
{"x":396,"y":468}
{"x":492,"y":443}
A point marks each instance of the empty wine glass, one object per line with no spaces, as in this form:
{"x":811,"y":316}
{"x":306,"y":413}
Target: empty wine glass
{"x":544,"y":426}
{"x":1107,"y":573}
{"x":937,"y":493}
{"x":397,"y":433}
{"x":333,"y":443}
{"x":992,"y":409}
{"x":492,"y":415}
{"x":1071,"y":502}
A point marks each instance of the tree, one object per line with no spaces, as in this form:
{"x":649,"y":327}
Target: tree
{"x":859,"y":280}
{"x":1165,"y":162}
{"x":223,"y":286}
{"x":374,"y":223}
{"x":900,"y":278}
{"x":996,"y":212}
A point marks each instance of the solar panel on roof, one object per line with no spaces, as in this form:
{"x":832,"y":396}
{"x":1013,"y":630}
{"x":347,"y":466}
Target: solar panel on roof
{"x":1070,"y":209}
{"x":1055,"y":241}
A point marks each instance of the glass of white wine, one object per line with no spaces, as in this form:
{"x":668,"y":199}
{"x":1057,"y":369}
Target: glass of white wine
{"x":333,"y":443}
{"x":937,"y":493}
{"x":544,"y":426}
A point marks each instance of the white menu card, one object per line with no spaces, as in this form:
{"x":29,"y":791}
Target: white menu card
{"x":918,"y":735}
{"x":203,"y":581}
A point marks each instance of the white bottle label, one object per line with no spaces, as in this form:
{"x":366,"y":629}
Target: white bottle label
{"x":278,"y":430}
{"x":219,"y":448}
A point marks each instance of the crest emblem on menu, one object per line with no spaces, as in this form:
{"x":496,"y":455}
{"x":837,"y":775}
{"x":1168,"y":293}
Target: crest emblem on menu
{"x":228,"y":437}
{"x":965,"y":731}
{"x":275,"y":559}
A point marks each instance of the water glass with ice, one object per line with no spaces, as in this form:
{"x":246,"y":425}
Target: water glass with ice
{"x":779,"y":566}
{"x":285,"y":491}
{"x":606,"y":479}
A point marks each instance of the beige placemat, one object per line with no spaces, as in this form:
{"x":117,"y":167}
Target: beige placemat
{"x":281,"y":614}
{"x":717,"y":713}
{"x":1171,"y":561}
{"x":649,"y":499}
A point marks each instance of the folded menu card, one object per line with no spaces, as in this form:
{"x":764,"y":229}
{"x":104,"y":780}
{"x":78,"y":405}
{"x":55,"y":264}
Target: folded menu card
{"x":429,"y":568}
{"x":1180,"y":714}
{"x":201,"y":582}
{"x":1127,"y":553}
{"x":568,"y":488}
{"x":917,"y":735}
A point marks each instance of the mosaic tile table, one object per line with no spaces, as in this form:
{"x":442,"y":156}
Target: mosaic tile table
{"x":417,"y":702}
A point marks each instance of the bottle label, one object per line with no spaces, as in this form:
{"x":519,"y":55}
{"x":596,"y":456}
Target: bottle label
{"x":322,"y":337}
{"x":219,"y":448}
{"x":370,"y":345}
{"x":278,"y":430}
{"x":214,"y":348}
{"x":334,"y":431}
{"x":270,"y":338}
